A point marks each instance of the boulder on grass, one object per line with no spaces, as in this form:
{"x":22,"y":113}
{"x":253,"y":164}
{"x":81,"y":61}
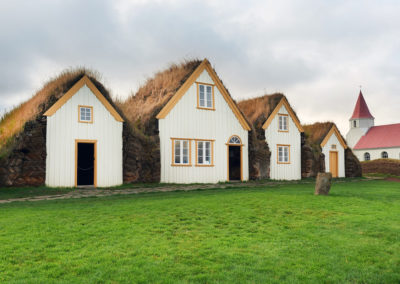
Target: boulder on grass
{"x":323,"y":184}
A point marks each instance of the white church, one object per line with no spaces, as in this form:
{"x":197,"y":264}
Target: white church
{"x":370,"y":142}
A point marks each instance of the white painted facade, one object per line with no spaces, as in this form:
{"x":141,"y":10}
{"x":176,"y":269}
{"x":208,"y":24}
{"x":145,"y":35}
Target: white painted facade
{"x":185,"y":120}
{"x":376,"y":153}
{"x":362,"y":125}
{"x":333,"y":140}
{"x":63,"y":129}
{"x":292,"y":170}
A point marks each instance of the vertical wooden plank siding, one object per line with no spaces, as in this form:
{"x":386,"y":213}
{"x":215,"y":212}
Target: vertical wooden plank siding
{"x":185,"y":120}
{"x":62,"y":130}
{"x":274,"y":137}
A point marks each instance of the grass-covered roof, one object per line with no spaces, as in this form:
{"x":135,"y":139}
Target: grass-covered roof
{"x":12,"y":123}
{"x":157,"y":91}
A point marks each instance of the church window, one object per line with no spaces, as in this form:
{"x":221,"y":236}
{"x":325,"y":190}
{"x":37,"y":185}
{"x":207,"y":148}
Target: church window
{"x":384,"y":155}
{"x":367,"y":156}
{"x":354,"y":123}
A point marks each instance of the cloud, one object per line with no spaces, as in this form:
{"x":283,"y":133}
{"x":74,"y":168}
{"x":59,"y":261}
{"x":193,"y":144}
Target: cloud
{"x":317,"y":52}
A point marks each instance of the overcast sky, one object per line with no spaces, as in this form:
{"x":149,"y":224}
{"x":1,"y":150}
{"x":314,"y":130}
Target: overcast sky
{"x":317,"y":53}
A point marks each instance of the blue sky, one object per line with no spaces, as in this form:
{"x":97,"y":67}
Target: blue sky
{"x":318,"y":53}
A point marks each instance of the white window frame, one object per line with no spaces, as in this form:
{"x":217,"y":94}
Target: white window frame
{"x":181,"y":154}
{"x":384,"y":153}
{"x":86,"y":109}
{"x":366,"y":154}
{"x":283,"y":122}
{"x":207,"y":101}
{"x":285,"y":157}
{"x":201,"y":150}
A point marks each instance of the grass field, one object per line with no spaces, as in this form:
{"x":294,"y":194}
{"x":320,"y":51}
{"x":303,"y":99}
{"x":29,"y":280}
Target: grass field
{"x":282,"y":233}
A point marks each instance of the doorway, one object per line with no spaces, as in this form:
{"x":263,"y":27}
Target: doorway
{"x":234,"y":158}
{"x":333,"y":163}
{"x":85,"y":163}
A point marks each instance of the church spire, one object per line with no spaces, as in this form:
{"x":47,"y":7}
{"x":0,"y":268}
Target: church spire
{"x":361,"y":109}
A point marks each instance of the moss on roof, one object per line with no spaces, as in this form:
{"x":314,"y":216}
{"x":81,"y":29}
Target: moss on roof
{"x":145,"y":104}
{"x":257,"y":110}
{"x":12,"y":123}
{"x":315,"y":133}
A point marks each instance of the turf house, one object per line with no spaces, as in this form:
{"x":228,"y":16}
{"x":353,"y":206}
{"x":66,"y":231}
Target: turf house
{"x":332,"y":146}
{"x":370,"y":142}
{"x":275,"y":146}
{"x":71,"y":133}
{"x":325,"y":150}
{"x":203,"y":136}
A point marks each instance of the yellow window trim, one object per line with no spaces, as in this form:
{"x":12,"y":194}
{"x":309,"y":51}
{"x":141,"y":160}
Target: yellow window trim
{"x":277,"y":154}
{"x":205,"y":65}
{"x":79,"y":114}
{"x":212,"y":152}
{"x":283,"y":114}
{"x":335,"y":131}
{"x":289,"y":109}
{"x":95,"y":159}
{"x":173,"y":152}
{"x":75,"y":88}
{"x":198,"y":96}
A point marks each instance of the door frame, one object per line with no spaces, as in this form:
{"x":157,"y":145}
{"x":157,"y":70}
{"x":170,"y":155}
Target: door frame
{"x":337,"y":162}
{"x":94,"y":142}
{"x":241,"y":156}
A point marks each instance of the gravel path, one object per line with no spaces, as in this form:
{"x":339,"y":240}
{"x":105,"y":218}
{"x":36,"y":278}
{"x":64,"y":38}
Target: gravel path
{"x":82,"y":193}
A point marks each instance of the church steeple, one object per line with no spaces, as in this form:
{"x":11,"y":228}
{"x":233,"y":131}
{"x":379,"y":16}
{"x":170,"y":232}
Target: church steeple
{"x":361,"y":109}
{"x":360,"y":121}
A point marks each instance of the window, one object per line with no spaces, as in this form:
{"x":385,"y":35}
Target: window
{"x":384,"y":155}
{"x":181,"y":152}
{"x":204,"y":153}
{"x":234,"y":140}
{"x":354,"y":123}
{"x":367,"y":156}
{"x":205,"y":96}
{"x":283,"y":122}
{"x":333,"y":146}
{"x":283,"y":154}
{"x":85,"y":114}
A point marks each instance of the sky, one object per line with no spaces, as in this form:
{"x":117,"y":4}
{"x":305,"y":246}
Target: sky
{"x":318,"y":53}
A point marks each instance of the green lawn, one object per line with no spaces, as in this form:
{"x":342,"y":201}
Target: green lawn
{"x":282,"y":233}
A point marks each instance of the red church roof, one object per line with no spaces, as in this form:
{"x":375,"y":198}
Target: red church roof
{"x":383,"y":136}
{"x":361,"y":110}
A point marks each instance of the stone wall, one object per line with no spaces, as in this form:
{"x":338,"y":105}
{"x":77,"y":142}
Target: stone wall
{"x":352,"y":164}
{"x":141,"y":156}
{"x":311,"y":162}
{"x":26,"y":163}
{"x":259,"y":155}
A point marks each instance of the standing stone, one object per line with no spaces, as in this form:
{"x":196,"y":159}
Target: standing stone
{"x":323,"y":184}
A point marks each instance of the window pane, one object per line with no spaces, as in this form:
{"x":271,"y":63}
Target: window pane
{"x":201,"y":96}
{"x":177,"y":152}
{"x":208,"y":153}
{"x":185,"y":155}
{"x":209,"y":96}
{"x":285,"y":123}
{"x":280,"y":122}
{"x":200,"y":152}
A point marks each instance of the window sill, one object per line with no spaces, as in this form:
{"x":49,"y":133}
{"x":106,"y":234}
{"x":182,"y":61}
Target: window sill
{"x":206,"y":108}
{"x":90,"y":122}
{"x":178,"y":165}
{"x":199,"y":165}
{"x":283,"y":131}
{"x":283,"y":163}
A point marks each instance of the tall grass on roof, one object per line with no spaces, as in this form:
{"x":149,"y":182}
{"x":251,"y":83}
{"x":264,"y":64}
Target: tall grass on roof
{"x":12,"y":122}
{"x":144,"y":105}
